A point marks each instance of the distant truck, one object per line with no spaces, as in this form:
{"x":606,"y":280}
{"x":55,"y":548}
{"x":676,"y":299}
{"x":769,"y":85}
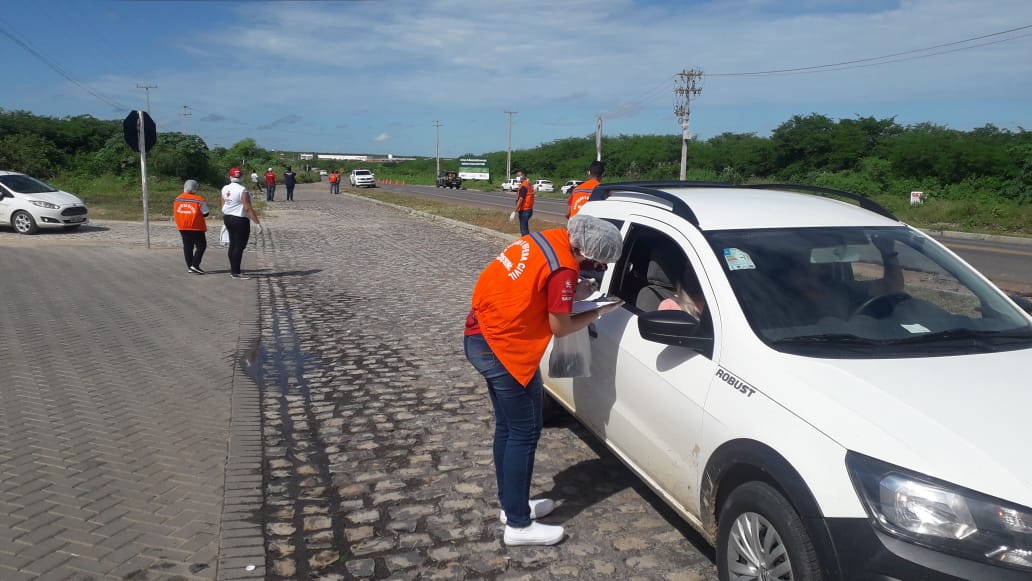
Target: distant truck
{"x":449,"y":179}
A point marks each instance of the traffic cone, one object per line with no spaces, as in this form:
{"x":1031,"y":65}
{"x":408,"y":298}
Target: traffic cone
{"x":402,"y":183}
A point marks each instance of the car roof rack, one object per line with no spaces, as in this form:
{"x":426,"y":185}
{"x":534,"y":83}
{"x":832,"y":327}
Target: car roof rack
{"x":682,"y":210}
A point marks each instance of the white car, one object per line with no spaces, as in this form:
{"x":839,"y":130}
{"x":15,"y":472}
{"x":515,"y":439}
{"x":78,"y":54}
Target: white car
{"x":511,"y":185}
{"x":27,"y":204}
{"x":851,"y":403}
{"x":569,"y":186}
{"x":362,"y":178}
{"x":544,"y":186}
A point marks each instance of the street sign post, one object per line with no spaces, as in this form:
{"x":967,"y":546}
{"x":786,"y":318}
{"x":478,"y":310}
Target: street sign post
{"x":138,"y":127}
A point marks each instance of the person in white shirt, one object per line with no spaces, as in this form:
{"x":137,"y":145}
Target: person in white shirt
{"x":237,"y":215}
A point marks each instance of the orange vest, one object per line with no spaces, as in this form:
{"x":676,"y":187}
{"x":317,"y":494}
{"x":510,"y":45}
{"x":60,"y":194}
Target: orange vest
{"x":334,"y":178}
{"x":189,"y":211}
{"x":510,"y":299}
{"x":528,"y":199}
{"x":579,"y":196}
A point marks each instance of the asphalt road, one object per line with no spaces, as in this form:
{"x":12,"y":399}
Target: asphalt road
{"x":1006,"y":263}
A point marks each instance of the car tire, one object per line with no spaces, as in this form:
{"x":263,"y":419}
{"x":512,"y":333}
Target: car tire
{"x":757,"y":523}
{"x":24,"y":223}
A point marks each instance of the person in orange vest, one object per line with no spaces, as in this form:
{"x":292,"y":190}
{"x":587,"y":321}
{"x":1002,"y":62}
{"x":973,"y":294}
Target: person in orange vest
{"x":580,"y":194}
{"x":524,"y":203}
{"x":522,"y":299}
{"x":270,"y":185}
{"x":190,"y":211}
{"x":334,"y":182}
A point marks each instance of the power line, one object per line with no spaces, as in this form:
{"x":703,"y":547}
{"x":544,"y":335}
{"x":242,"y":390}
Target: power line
{"x":844,"y":64}
{"x":4,"y":29}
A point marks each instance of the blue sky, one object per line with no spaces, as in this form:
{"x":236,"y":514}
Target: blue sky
{"x":372,"y":76}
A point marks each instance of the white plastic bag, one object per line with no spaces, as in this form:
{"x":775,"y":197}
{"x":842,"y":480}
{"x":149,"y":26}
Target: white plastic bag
{"x":224,"y":236}
{"x":571,"y":355}
{"x":512,"y":216}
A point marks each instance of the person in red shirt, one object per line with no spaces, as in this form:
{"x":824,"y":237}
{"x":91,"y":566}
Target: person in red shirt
{"x":270,"y":185}
{"x":524,"y":203}
{"x":190,"y":211}
{"x":580,"y":194}
{"x":522,"y":299}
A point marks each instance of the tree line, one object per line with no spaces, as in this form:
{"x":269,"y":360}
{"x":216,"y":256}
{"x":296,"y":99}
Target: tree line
{"x":866,"y":155}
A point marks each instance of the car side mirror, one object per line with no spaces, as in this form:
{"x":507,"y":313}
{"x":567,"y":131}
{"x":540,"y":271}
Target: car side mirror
{"x":671,"y":327}
{"x":1023,"y":303}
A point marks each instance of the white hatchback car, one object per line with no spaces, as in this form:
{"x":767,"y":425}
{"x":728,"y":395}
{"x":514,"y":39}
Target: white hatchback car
{"x":851,"y":402}
{"x":544,"y":186}
{"x":27,"y":204}
{"x":511,"y":185}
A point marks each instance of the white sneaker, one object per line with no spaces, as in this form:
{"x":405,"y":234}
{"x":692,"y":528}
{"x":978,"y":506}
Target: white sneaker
{"x":538,"y":508}
{"x":535,"y":534}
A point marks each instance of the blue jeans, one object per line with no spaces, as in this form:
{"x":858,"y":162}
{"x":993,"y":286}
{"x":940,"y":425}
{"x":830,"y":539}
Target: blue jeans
{"x":525,"y":221}
{"x":270,"y":192}
{"x":334,"y":187}
{"x":517,"y":429}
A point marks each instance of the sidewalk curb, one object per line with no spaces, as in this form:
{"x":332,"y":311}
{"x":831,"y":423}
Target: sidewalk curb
{"x":976,"y":236}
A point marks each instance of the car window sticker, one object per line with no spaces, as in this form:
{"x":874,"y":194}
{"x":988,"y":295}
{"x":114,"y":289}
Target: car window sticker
{"x":738,"y":259}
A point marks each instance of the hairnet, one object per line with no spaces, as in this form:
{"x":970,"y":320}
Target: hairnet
{"x":597,"y":239}
{"x":190,"y":186}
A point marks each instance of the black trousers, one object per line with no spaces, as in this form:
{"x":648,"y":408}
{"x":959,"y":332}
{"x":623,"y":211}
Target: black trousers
{"x":290,"y":193}
{"x":239,"y":231}
{"x":194,"y":245}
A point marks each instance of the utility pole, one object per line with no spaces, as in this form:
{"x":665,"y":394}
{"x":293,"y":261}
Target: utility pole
{"x":437,"y":131}
{"x":689,"y":85}
{"x":598,"y":139}
{"x":508,"y":151}
{"x":147,"y":88}
{"x":186,"y":114}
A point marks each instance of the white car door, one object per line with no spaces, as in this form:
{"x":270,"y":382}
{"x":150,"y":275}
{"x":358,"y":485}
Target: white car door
{"x":645,"y":398}
{"x":6,"y":205}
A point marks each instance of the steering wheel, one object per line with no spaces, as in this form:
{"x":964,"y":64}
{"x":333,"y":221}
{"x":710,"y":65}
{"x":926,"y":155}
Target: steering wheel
{"x":887,"y":301}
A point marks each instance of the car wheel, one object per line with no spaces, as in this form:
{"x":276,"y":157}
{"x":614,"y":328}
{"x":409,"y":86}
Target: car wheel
{"x":24,"y":223}
{"x":761,"y":537}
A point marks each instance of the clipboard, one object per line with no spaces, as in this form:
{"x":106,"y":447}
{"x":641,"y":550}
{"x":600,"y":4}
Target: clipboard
{"x":584,"y":306}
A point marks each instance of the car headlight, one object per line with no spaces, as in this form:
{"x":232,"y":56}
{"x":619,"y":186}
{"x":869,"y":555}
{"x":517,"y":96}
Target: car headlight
{"x":43,"y":204}
{"x":942,"y":516}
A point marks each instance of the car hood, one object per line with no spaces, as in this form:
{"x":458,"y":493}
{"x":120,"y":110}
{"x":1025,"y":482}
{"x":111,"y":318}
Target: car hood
{"x":59,"y":197}
{"x":963,"y":419}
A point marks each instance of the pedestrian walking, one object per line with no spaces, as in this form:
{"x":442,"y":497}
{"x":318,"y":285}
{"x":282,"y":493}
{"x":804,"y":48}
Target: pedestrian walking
{"x":524,"y":202}
{"x":334,"y":182}
{"x":255,"y":186}
{"x":190,"y":211}
{"x":522,"y":299}
{"x":290,"y":180}
{"x":580,"y":194}
{"x":270,"y":185}
{"x":237,"y":215}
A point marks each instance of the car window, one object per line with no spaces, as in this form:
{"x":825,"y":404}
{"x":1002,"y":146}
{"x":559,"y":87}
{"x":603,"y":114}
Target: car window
{"x":25,"y":185}
{"x":863,"y":291}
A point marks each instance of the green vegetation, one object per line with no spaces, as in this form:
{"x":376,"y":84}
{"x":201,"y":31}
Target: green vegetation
{"x":973,"y":180}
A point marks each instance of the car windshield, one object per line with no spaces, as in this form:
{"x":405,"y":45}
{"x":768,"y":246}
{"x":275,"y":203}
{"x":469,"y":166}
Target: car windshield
{"x":361,"y":172}
{"x":25,"y":185}
{"x":864,"y":292}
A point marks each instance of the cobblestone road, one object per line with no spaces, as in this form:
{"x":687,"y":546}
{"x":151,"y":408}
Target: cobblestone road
{"x":377,"y":431}
{"x":134,"y":445}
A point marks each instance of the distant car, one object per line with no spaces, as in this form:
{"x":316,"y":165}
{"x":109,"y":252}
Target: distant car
{"x":27,"y":204}
{"x":544,"y":186}
{"x":449,"y":179}
{"x":323,"y":172}
{"x":362,"y":178}
{"x":511,"y":185}
{"x":568,"y":186}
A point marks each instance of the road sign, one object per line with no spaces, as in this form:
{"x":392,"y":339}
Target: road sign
{"x":132,"y":136}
